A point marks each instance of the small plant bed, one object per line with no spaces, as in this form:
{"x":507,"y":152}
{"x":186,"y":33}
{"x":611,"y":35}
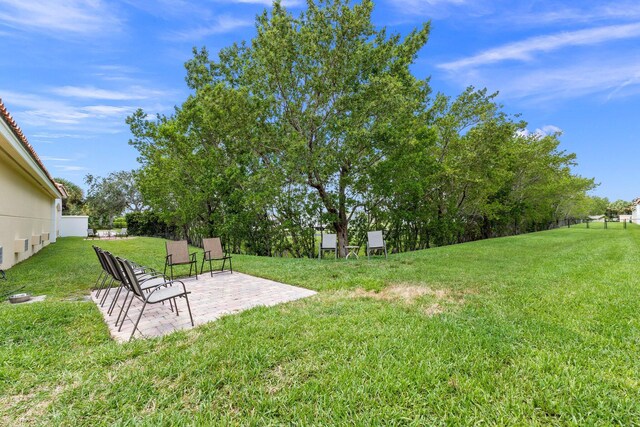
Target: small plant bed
{"x":541,"y":328}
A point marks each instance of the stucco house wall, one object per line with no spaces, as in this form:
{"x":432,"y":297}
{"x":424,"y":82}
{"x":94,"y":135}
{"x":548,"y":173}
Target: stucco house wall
{"x":28,"y":196}
{"x":635,"y":213}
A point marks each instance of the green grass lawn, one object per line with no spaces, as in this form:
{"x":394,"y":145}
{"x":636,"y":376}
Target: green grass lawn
{"x":536,"y":329}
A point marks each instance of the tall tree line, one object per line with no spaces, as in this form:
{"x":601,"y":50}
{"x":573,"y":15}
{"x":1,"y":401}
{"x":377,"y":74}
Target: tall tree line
{"x":319,"y":120}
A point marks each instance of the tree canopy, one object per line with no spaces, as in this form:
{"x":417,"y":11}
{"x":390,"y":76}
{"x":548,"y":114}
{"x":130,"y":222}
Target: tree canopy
{"x":319,"y":121}
{"x":74,"y":203}
{"x":111,"y":196}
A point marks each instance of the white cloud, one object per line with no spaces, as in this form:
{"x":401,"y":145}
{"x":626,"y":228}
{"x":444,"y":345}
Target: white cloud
{"x":222,"y":24}
{"x":418,"y":9}
{"x":288,"y":3}
{"x":41,"y":117}
{"x":524,"y":50}
{"x":628,"y":11}
{"x":70,"y":168}
{"x":54,"y":159}
{"x":87,"y":17}
{"x":557,"y":81}
{"x":108,"y":110}
{"x":37,"y":110}
{"x":51,"y":135}
{"x":513,"y":14}
{"x":549,"y":129}
{"x":423,"y":5}
{"x":96,"y":93}
{"x":541,"y":132}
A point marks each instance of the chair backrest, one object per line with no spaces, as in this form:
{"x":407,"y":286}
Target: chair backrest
{"x":179,"y":252}
{"x":90,"y":232}
{"x":130,"y":278}
{"x":212,"y":248}
{"x":329,"y":241}
{"x":375,"y":239}
{"x":99,"y":255}
{"x":112,"y":268}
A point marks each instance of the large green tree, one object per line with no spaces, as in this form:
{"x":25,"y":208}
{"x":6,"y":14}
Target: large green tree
{"x":73,"y":204}
{"x":335,"y":93}
{"x":111,"y":196}
{"x":197,"y":170}
{"x":619,"y":207}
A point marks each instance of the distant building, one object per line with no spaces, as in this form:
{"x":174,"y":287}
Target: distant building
{"x":30,"y":200}
{"x":635,"y":213}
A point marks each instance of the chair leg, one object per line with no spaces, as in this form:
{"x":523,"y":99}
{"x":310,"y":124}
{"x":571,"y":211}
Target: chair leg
{"x":106,"y":293}
{"x":189,"y":309}
{"x":125,"y":313}
{"x":137,"y":321}
{"x":175,"y":304}
{"x":115,"y":299}
{"x":230,"y":266}
{"x":101,"y":288}
{"x":98,"y":280}
{"x":202,"y":266}
{"x":126,"y":296}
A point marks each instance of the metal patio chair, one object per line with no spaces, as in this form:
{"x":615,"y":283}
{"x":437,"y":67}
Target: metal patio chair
{"x":147,"y":279}
{"x":178,"y":254}
{"x":329,"y":243}
{"x":213,"y":252}
{"x":375,"y":241}
{"x":168,"y":291}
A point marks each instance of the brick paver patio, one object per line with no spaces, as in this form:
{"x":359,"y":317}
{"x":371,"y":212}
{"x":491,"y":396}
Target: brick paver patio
{"x":210,"y":299}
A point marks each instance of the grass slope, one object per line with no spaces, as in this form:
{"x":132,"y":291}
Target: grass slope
{"x":539,"y":329}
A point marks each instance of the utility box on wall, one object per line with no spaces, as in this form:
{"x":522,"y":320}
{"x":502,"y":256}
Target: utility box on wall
{"x":21,"y":245}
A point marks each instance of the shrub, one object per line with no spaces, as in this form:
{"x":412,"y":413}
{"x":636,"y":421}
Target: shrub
{"x":148,"y":223}
{"x":120,"y":222}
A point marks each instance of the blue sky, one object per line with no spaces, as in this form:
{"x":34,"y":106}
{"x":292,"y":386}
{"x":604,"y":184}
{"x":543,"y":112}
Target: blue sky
{"x":72,"y":70}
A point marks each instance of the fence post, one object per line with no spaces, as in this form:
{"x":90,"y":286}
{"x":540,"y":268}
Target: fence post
{"x":625,"y":224}
{"x":605,"y":223}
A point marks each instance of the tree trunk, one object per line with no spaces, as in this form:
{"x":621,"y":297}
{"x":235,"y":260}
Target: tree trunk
{"x":342,"y":230}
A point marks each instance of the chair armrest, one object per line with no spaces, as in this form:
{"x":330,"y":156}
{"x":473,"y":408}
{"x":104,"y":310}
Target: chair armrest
{"x":154,"y":276}
{"x":184,"y":288}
